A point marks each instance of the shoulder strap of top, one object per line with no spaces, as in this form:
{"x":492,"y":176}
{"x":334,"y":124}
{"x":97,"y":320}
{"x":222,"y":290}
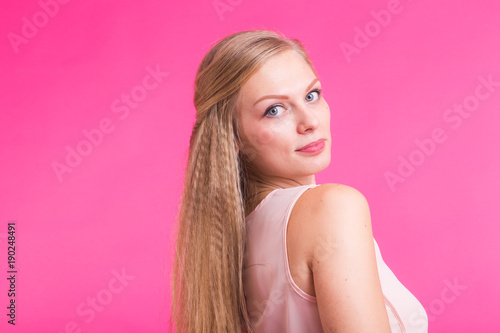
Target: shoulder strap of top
{"x":282,"y":195}
{"x":295,"y":193}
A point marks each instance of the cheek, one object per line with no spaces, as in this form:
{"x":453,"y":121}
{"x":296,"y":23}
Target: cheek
{"x":326,"y":117}
{"x":265,"y":136}
{"x":258,"y":142}
{"x":277,"y":129}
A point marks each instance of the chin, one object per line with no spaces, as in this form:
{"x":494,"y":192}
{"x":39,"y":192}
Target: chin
{"x":320,"y":165}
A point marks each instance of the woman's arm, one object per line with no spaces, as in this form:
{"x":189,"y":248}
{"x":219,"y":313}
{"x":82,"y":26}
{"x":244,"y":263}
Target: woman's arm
{"x":342,"y":260}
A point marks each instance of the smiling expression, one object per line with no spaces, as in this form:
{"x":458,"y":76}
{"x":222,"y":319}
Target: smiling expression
{"x":280,"y":110}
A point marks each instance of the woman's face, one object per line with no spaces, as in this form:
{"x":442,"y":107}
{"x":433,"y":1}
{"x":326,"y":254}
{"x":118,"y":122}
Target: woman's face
{"x":279,"y":111}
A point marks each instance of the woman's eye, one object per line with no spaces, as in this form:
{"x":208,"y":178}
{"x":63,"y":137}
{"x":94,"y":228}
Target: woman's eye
{"x":273,"y":111}
{"x":317,"y":92}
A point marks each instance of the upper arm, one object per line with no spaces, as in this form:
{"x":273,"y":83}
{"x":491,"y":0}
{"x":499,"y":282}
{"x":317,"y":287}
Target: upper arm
{"x":341,"y":256}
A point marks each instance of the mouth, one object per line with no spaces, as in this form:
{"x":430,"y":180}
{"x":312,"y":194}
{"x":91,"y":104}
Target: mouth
{"x":313,"y":146}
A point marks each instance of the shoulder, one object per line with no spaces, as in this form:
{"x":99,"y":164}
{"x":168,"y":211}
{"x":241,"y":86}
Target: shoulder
{"x":331,"y":214}
{"x":329,"y":198}
{"x":339,"y":247}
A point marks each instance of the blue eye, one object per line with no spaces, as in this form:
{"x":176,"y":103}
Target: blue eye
{"x":272,"y":110}
{"x":317,"y":91}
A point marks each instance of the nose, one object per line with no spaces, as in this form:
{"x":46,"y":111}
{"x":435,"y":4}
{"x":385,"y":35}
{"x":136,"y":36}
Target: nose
{"x":306,"y":118}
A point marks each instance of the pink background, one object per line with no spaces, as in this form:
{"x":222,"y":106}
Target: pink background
{"x":111,"y":212}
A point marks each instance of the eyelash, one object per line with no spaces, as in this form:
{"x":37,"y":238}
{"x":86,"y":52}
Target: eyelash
{"x":319,"y":91}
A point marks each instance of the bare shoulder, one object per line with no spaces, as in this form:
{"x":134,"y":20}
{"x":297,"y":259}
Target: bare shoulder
{"x":331,"y":193}
{"x":339,"y":247}
{"x":332,"y":212}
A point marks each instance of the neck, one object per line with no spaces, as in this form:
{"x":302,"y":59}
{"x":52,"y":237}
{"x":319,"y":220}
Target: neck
{"x":259,"y":189}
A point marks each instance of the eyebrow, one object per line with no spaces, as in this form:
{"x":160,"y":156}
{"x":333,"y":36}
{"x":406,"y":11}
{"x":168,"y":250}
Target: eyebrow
{"x":284,"y":96}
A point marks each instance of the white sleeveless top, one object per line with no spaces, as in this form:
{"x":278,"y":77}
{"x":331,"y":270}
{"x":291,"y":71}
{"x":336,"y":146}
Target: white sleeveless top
{"x":276,"y":304}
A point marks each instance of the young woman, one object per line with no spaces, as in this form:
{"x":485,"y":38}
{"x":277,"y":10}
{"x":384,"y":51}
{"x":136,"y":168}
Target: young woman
{"x":260,"y":246}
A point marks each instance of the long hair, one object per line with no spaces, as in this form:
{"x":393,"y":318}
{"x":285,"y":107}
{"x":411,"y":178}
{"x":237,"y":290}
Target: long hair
{"x":207,"y":287}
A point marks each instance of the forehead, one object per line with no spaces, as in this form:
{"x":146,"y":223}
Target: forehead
{"x":283,"y":74}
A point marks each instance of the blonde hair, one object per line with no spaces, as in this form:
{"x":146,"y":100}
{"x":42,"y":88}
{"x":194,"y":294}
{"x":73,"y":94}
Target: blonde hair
{"x":207,"y":285}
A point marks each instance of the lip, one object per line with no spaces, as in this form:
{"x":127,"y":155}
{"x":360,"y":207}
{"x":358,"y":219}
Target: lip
{"x":313,"y":147}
